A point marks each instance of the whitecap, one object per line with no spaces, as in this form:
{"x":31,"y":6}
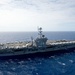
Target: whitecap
{"x":21,"y":62}
{"x":52,"y":56}
{"x":61,"y":63}
{"x":71,"y":61}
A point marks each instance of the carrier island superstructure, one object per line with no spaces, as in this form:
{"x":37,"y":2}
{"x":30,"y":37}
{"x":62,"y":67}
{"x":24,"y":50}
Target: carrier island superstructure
{"x":36,"y":46}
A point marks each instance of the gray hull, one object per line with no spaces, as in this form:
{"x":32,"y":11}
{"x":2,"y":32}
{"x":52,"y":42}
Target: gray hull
{"x":23,"y":52}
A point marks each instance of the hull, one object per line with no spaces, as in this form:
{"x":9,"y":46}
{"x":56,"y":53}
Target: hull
{"x":41,"y":53}
{"x":19,"y":51}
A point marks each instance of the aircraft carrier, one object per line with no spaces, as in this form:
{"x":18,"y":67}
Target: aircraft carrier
{"x":39,"y":46}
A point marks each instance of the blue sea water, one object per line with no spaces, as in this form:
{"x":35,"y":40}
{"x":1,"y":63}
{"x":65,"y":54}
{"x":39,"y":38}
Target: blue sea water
{"x":63,"y":64}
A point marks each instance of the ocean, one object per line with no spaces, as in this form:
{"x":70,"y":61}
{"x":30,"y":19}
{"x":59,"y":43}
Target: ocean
{"x":63,"y":64}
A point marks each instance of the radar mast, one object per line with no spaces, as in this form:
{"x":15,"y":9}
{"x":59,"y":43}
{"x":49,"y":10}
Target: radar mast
{"x":40,"y":32}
